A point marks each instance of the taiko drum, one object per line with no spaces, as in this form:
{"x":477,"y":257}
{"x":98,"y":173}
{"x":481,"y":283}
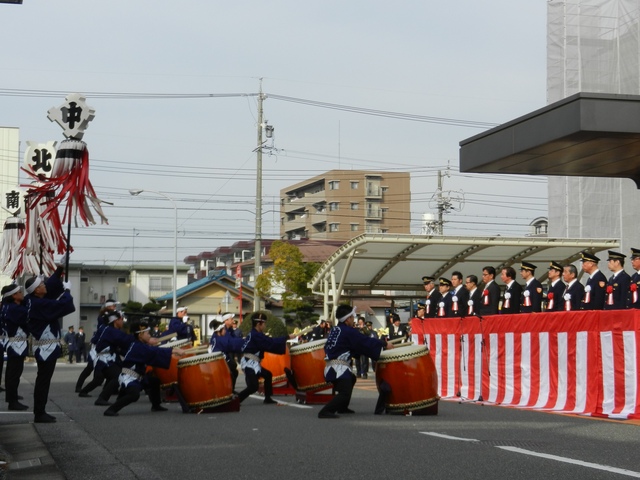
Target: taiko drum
{"x":169,"y":376}
{"x":204,"y":380}
{"x":307,"y":363}
{"x":413,"y":379}
{"x":276,"y":364}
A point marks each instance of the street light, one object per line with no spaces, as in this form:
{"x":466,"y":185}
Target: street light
{"x":135,"y":193}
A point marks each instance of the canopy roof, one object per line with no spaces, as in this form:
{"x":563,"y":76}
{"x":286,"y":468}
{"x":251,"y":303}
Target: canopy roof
{"x":398,"y":262}
{"x":586,"y":134}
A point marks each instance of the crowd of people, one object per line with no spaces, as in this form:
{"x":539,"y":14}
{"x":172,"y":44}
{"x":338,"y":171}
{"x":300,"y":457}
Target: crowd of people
{"x":564,"y":292}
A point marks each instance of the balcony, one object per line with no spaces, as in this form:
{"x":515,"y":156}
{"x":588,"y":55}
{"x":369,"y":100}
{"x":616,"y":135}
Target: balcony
{"x":373,"y":214}
{"x":373,"y":191}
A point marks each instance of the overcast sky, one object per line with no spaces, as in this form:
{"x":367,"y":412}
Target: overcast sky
{"x":462,"y":60}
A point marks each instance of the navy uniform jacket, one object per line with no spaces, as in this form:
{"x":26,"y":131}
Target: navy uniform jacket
{"x":514,"y":302}
{"x":463,"y":299}
{"x":14,"y":318}
{"x":226,"y":344}
{"x":345,"y":342}
{"x":44,"y":314}
{"x":432,"y":306}
{"x":138,"y":356}
{"x":635,"y":279}
{"x":446,"y":300}
{"x":183,"y":329}
{"x":256,"y":343}
{"x":111,"y":341}
{"x":598,"y":283}
{"x":493,"y":296}
{"x":558,"y":292}
{"x":534,"y":287}
{"x":576,"y":290}
{"x":476,"y":298}
{"x":620,"y":285}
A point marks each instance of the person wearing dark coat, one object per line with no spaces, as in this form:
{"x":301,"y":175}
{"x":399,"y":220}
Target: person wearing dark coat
{"x":459,"y":296}
{"x":555,"y":302}
{"x":595,"y":289}
{"x":46,"y":301}
{"x":223,"y":340}
{"x":634,"y":287}
{"x":344,"y":342}
{"x":512,"y":292}
{"x":571,"y":298}
{"x":475,"y":295}
{"x":134,"y":378}
{"x":81,"y":348}
{"x":396,"y":329}
{"x":181,"y":326}
{"x":618,"y":285}
{"x":70,"y":340}
{"x":490,"y":293}
{"x":256,"y":343}
{"x":445,"y":303}
{"x":531,"y":300}
{"x":432,"y":297}
{"x":14,"y":317}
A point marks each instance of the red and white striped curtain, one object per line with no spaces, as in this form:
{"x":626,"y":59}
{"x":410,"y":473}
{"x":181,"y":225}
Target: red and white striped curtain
{"x":571,"y":362}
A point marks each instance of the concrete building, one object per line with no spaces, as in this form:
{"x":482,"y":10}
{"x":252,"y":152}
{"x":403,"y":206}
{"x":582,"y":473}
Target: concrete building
{"x":9,"y":171}
{"x":341,"y":204}
{"x":593,"y":46}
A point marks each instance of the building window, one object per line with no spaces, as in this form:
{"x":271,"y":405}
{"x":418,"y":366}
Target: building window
{"x":122,"y":279}
{"x":354,"y":205}
{"x":333,"y":206}
{"x":161,"y":284}
{"x":84,"y":279}
{"x":333,"y":227}
{"x":354,"y":227}
{"x":354,"y":185}
{"x":334,"y":184}
{"x":384,"y":189}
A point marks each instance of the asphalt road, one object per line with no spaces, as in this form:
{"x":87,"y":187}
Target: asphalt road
{"x":464,"y":441}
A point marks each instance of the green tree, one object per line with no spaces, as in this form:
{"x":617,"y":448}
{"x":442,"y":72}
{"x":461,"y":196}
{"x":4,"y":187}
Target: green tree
{"x":290,"y":274}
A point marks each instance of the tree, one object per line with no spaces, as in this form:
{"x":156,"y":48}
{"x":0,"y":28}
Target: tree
{"x":289,"y":275}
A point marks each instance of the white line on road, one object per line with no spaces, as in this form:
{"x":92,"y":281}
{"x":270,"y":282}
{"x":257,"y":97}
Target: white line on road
{"x":606,"y":468}
{"x":449,"y":437}
{"x":280,"y":402}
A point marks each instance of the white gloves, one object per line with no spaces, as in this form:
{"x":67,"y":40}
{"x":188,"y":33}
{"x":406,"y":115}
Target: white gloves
{"x":63,"y":260}
{"x":66,"y":285}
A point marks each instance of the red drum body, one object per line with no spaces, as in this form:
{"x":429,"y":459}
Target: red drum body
{"x":169,"y":376}
{"x":276,"y":365}
{"x":413,"y":379}
{"x":307,"y":363}
{"x":204,"y":380}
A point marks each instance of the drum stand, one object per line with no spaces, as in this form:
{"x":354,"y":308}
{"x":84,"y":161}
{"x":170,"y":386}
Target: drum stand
{"x":232,"y":406}
{"x":312,"y":396}
{"x":280,"y":387}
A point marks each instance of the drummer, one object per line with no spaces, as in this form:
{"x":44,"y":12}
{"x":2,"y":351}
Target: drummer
{"x":133,"y":377}
{"x":181,"y":326}
{"x":345,"y":341}
{"x":256,"y":343}
{"x":223,"y":340}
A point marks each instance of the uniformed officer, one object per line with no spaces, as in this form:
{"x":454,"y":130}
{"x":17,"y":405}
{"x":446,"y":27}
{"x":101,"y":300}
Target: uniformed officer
{"x":634,"y":287}
{"x":446,"y":303}
{"x":433,"y":297}
{"x":594,"y":290}
{"x":556,"y":288}
{"x":617,"y":292}
{"x":531,"y":299}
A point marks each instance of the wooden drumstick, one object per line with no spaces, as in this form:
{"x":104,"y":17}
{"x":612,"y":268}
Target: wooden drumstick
{"x":167,"y":337}
{"x":395,"y":341}
{"x":197,"y":350}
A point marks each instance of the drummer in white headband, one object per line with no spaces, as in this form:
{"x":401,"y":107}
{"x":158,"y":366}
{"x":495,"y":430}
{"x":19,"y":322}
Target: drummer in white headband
{"x":180,"y":325}
{"x":344,"y":342}
{"x":223,"y":340}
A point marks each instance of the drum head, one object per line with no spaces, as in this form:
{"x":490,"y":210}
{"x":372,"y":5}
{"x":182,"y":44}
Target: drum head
{"x":400,"y":354}
{"x":176,"y":343}
{"x":203,"y":358}
{"x":308,"y":347}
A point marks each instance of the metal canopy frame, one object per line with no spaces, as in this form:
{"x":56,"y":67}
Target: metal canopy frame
{"x":384,"y":262}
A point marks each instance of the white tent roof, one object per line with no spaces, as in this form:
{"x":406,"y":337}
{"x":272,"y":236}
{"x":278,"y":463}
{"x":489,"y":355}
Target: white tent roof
{"x":398,"y":262}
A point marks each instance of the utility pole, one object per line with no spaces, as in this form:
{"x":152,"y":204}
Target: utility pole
{"x":444,"y":203}
{"x":258,"y":242}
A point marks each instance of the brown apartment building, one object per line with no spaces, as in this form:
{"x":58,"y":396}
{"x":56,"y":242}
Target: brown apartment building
{"x":342,"y":204}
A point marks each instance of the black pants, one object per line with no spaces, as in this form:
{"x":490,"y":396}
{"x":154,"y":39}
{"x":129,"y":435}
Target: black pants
{"x":96,"y":381}
{"x":84,"y":374}
{"x":1,"y":365}
{"x":15,"y":366}
{"x":344,"y":388}
{"x":41,"y":387}
{"x":81,"y":354}
{"x":131,"y":394}
{"x":233,"y":369}
{"x":111,"y":374}
{"x":362,"y":365}
{"x":253,"y":383}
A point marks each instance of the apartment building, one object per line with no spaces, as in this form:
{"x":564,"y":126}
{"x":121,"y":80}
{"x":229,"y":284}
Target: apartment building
{"x":342,"y":204}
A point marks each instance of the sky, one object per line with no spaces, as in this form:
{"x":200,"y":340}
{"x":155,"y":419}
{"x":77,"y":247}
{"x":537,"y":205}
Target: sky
{"x":174,"y":86}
